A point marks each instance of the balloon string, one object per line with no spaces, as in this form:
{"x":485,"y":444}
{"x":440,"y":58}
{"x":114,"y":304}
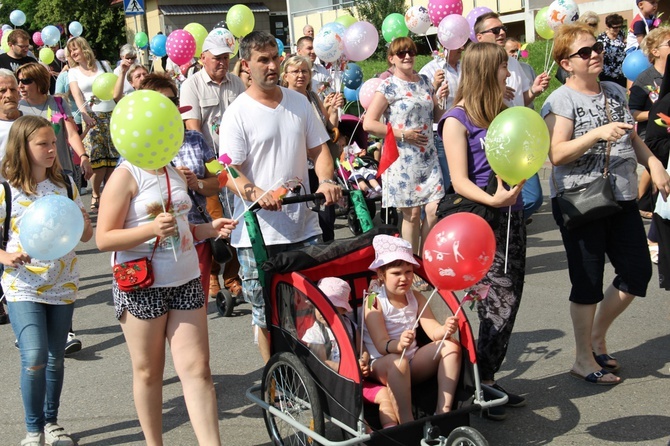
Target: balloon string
{"x":509,"y":219}
{"x":446,"y":65}
{"x":160,"y":190}
{"x":546,"y":56}
{"x":429,"y":45}
{"x":418,"y":318}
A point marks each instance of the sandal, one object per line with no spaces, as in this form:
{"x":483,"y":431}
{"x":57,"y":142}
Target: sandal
{"x":95,"y":203}
{"x":603,"y":361}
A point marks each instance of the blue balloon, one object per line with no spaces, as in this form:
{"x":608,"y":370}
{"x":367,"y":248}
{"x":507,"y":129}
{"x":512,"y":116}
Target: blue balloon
{"x":634,"y":64}
{"x":17,"y":17}
{"x":280,"y":46}
{"x":75,"y":29}
{"x":51,"y":227}
{"x":158,"y":45}
{"x":352,"y":76}
{"x":50,"y":35}
{"x":336,"y":27}
{"x":351,"y":95}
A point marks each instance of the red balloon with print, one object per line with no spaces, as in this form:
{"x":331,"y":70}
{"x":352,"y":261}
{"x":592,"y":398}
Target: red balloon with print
{"x":458,"y":251}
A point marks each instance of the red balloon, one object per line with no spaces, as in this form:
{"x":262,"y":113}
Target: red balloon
{"x":458,"y":251}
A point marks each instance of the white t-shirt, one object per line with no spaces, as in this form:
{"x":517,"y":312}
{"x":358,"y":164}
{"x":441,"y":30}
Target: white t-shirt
{"x":518,"y":81}
{"x":85,"y":84}
{"x":270,"y":145}
{"x":316,"y":334}
{"x":4,"y":133}
{"x":127,"y":88}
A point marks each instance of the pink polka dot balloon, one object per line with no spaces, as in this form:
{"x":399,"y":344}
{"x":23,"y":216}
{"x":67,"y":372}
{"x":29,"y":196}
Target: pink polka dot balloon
{"x":37,"y":38}
{"x":368,"y":91}
{"x":180,"y":46}
{"x":439,"y":9}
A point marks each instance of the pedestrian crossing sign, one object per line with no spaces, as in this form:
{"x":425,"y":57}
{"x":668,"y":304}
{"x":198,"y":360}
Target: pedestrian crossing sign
{"x":133,"y":7}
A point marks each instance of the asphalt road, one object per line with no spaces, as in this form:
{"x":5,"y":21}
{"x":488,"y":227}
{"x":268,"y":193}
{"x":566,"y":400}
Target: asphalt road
{"x":97,"y":406}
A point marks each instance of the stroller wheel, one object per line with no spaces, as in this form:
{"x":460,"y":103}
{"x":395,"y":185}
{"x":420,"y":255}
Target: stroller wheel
{"x":466,"y":436}
{"x":353,"y":223}
{"x":225,"y":303}
{"x":288,"y":386}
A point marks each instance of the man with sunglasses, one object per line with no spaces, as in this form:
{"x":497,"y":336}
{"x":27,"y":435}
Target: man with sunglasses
{"x":19,"y":45}
{"x":489,"y":28}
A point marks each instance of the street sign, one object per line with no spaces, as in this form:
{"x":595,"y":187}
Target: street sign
{"x":133,"y":7}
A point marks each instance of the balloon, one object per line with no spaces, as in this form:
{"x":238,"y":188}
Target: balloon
{"x":147,"y":129}
{"x":458,"y":251}
{"x":240,"y":20}
{"x":453,"y":31}
{"x":141,"y":39}
{"x":472,"y":17}
{"x":60,"y":55}
{"x":7,"y":28}
{"x":328,"y":45}
{"x":50,"y":35}
{"x":3,"y":42}
{"x":394,"y":27}
{"x":199,"y":33}
{"x":346,"y":20}
{"x":46,"y":55}
{"x":417,"y":19}
{"x":542,"y":27}
{"x":75,"y":29}
{"x":214,"y":166}
{"x":336,"y":27}
{"x":103,"y":85}
{"x":350,"y":94}
{"x":280,"y":46}
{"x":158,"y":45}
{"x":517,"y":144}
{"x":562,"y":12}
{"x":368,"y":90}
{"x":439,"y":9}
{"x":352,"y":77}
{"x":221,"y":24}
{"x":37,"y":38}
{"x":17,"y":17}
{"x":51,"y":227}
{"x":634,"y":64}
{"x":361,"y":40}
{"x":180,"y":46}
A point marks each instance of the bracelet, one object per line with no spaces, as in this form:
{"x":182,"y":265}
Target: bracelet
{"x":84,"y":155}
{"x":387,"y":346}
{"x":402,"y":136}
{"x":327,"y":182}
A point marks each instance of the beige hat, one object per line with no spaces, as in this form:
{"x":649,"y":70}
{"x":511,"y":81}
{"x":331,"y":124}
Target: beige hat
{"x":216,"y":44}
{"x":337,"y":291}
{"x":389,"y":249}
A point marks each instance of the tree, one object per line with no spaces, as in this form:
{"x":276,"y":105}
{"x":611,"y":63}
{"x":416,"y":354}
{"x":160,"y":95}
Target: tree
{"x":375,"y":11}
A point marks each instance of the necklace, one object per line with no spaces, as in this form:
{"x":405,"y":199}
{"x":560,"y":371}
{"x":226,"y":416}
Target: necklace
{"x":38,"y":111}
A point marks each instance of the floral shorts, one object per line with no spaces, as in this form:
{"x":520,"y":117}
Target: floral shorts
{"x":152,"y":303}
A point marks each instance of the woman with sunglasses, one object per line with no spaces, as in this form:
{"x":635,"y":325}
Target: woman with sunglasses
{"x":408,"y":102}
{"x":614,"y":42}
{"x":586,"y":118}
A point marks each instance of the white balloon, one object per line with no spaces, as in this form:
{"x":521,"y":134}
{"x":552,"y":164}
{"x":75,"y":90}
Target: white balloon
{"x":417,"y":19}
{"x":328,"y":45}
{"x":562,"y":12}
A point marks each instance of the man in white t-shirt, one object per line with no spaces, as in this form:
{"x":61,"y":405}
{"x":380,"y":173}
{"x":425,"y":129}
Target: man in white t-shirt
{"x":268,"y":133}
{"x":489,"y":28}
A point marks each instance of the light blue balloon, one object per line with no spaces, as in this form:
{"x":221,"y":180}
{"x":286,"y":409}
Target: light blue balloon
{"x":51,"y":227}
{"x":6,"y":28}
{"x":50,"y":35}
{"x":351,"y":95}
{"x":75,"y":29}
{"x":352,"y":76}
{"x":280,"y":46}
{"x":336,"y":27}
{"x":634,"y":64}
{"x":158,"y":45}
{"x":17,"y":17}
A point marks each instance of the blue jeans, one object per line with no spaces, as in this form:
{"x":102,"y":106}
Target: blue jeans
{"x":532,"y":196}
{"x":41,"y":330}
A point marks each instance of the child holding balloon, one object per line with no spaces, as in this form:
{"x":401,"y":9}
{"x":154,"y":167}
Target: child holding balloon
{"x":40,"y":293}
{"x":391,"y":317}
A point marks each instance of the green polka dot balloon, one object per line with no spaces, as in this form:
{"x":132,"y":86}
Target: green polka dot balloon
{"x":147,"y":129}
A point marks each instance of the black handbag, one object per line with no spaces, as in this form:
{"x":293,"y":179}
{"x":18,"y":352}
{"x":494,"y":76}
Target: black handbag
{"x":221,"y":249}
{"x":453,"y":203}
{"x":586,"y":203}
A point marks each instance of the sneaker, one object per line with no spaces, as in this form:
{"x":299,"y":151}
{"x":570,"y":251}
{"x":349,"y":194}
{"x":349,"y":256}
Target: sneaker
{"x":496,"y":413}
{"x":33,"y":439}
{"x":73,"y":345}
{"x":512,"y":399}
{"x":55,"y":435}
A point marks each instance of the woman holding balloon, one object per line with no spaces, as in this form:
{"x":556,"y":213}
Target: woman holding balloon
{"x":586,"y":119}
{"x":40,"y":293}
{"x":408,"y":102}
{"x":96,"y":113}
{"x":479,"y":98}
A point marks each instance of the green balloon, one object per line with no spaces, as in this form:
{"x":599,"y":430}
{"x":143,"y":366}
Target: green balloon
{"x":46,"y":55}
{"x":517,"y":144}
{"x":103,"y":86}
{"x":147,"y":129}
{"x":542,"y":27}
{"x":141,"y":39}
{"x":346,"y":20}
{"x":199,"y":33}
{"x":394,"y":27}
{"x":240,"y":20}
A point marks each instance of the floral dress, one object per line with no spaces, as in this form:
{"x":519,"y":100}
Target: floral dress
{"x":614,"y":55}
{"x":415,"y":178}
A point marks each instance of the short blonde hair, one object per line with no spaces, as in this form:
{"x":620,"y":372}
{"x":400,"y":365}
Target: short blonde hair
{"x":652,"y":41}
{"x":295,"y":61}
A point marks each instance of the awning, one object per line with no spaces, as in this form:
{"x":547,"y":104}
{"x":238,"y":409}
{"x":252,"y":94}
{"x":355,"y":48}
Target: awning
{"x":207,"y":9}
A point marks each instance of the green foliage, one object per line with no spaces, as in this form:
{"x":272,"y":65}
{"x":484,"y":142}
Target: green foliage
{"x":104,"y":26}
{"x":375,"y":11}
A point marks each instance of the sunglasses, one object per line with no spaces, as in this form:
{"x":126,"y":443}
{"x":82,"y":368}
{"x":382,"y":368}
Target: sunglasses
{"x":26,"y":81}
{"x":616,"y":26}
{"x":666,"y":43}
{"x":495,"y":30}
{"x":585,"y":53}
{"x":403,"y":53}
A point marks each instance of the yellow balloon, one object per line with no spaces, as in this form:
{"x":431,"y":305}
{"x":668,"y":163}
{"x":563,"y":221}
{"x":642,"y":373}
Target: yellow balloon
{"x":103,"y":85}
{"x":199,"y":33}
{"x":46,"y":55}
{"x":3,"y":42}
{"x":240,"y":20}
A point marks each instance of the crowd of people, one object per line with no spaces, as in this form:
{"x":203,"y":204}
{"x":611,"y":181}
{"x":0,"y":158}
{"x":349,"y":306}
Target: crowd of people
{"x":52,"y":132}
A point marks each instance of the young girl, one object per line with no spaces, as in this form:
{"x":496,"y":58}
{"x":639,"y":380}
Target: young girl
{"x":171,"y":309}
{"x":389,"y":330}
{"x":40,"y":294}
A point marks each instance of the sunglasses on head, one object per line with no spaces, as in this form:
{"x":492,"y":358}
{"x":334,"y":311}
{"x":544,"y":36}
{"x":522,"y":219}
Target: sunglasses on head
{"x":585,"y":52}
{"x":495,"y":30}
{"x":26,"y":81}
{"x":403,"y":53}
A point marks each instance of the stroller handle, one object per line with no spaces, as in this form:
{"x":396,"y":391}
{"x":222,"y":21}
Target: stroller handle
{"x":318,"y":198}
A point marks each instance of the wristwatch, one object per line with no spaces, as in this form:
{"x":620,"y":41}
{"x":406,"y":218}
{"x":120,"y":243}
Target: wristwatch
{"x":201,"y":185}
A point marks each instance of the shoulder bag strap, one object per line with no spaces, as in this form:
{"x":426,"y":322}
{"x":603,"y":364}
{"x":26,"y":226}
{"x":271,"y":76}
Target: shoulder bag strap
{"x":8,"y":214}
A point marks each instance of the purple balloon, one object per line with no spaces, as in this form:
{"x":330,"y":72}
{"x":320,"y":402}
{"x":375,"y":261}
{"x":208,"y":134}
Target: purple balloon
{"x":360,"y":41}
{"x":453,"y":31}
{"x":472,"y":18}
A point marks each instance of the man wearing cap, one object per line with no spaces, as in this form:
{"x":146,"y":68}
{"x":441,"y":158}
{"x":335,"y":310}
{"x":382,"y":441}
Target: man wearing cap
{"x":321,"y":79}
